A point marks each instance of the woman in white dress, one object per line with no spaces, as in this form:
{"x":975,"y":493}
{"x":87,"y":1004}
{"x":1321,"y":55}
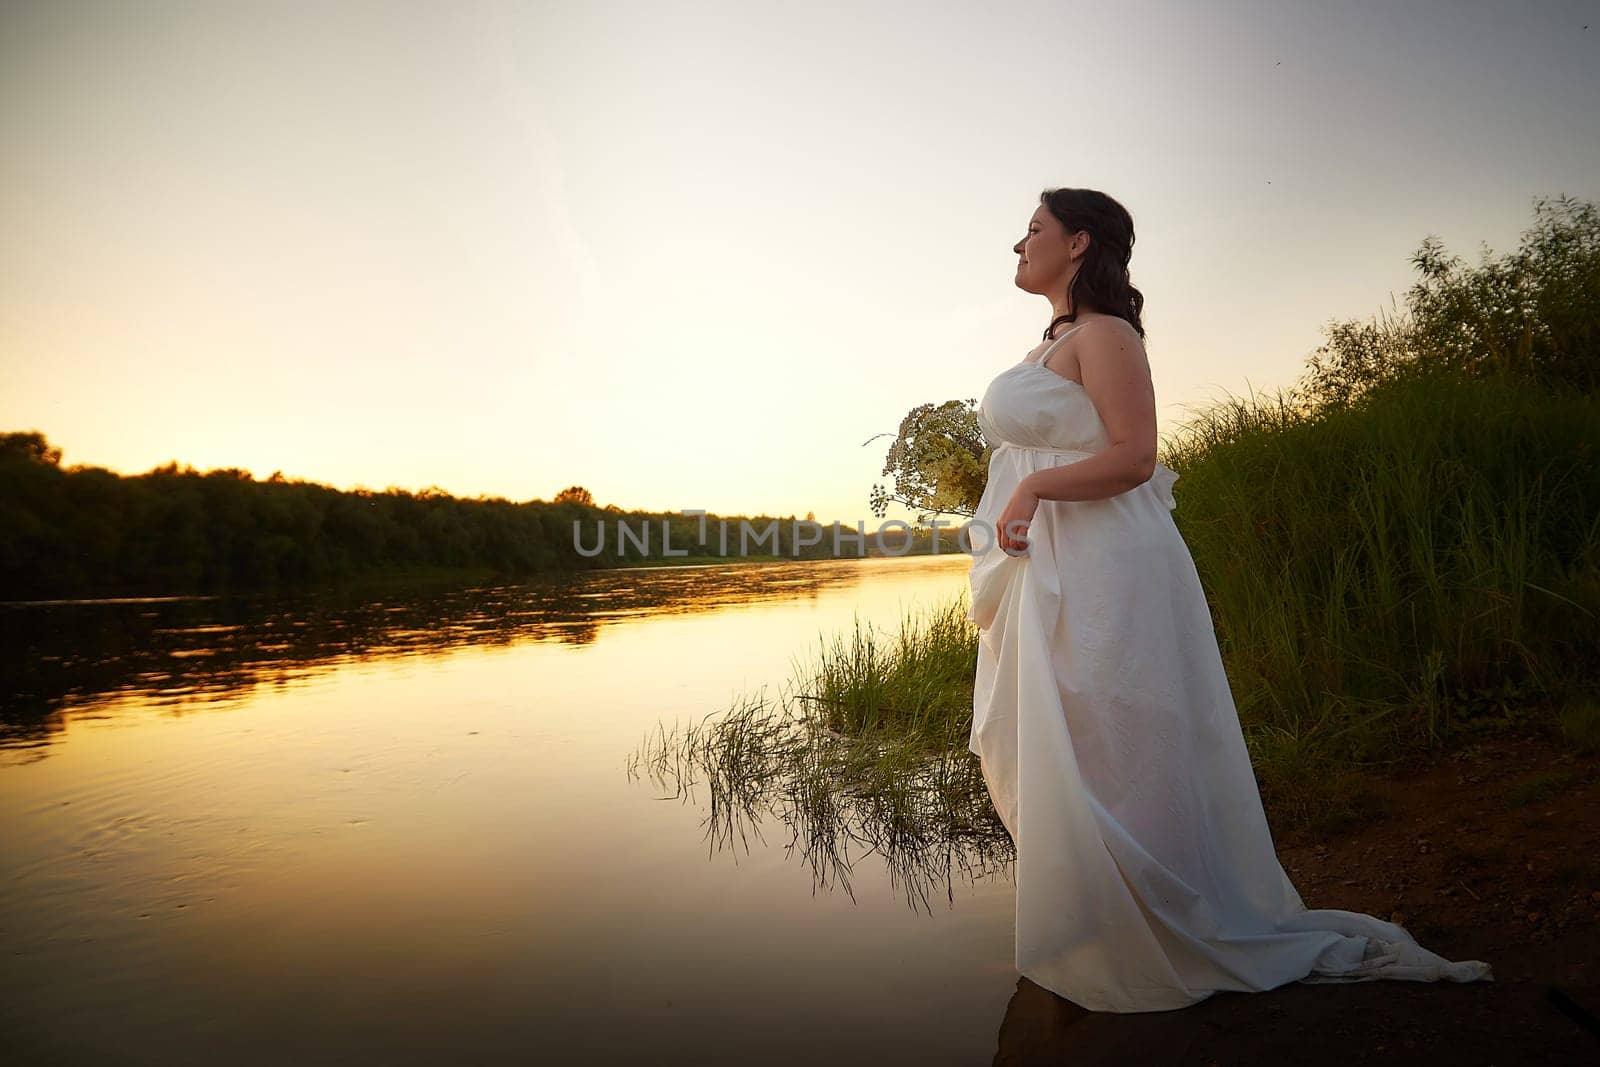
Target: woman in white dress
{"x":1146,"y":876}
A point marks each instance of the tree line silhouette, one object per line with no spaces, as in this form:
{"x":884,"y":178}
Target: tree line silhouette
{"x":85,"y":530}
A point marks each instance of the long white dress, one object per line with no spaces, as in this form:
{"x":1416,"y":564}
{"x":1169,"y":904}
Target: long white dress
{"x":1146,"y":876}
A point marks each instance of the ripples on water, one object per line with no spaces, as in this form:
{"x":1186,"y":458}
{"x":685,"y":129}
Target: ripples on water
{"x":363,"y":827}
{"x":62,"y":654}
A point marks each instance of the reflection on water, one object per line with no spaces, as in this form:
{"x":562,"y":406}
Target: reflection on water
{"x":56,"y":656}
{"x":397,"y":829}
{"x":931,"y":827}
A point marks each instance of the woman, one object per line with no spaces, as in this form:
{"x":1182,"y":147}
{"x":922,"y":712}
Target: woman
{"x":1146,"y":875}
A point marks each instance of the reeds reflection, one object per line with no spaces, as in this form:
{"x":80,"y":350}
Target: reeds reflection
{"x":864,"y":753}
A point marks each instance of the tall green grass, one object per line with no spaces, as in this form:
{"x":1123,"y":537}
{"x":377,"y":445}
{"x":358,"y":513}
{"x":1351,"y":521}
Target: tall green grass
{"x":1386,"y":574}
{"x":914,"y":684}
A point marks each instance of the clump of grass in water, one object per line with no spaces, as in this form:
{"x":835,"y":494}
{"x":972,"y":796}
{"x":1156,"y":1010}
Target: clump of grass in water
{"x":915,"y":686}
{"x":867,"y":746}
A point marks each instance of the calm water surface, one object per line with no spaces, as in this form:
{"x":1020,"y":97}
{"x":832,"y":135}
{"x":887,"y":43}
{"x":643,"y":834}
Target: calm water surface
{"x":399,"y":828}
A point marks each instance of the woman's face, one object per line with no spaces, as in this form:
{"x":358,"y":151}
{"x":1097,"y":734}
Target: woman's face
{"x":1047,"y":256}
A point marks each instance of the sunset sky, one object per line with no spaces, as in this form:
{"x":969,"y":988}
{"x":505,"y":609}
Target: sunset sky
{"x":694,"y":255}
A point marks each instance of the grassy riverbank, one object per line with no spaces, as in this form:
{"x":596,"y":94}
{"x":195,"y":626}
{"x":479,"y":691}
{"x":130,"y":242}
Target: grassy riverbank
{"x":871,"y":733}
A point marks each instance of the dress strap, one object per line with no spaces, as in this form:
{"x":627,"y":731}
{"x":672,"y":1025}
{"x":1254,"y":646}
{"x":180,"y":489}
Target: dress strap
{"x":1041,"y":360}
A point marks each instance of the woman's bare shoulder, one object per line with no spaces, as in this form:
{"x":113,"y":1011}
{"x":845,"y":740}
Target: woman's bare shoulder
{"x":1114,"y":326}
{"x":1113,"y":342}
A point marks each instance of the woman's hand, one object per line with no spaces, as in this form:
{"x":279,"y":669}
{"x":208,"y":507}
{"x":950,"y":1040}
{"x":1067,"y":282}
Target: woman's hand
{"x":1019,"y":510}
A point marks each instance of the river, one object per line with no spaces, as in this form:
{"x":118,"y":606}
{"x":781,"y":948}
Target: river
{"x":399,"y":826}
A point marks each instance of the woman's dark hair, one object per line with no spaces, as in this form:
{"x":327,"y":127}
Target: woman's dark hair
{"x":1101,"y":283}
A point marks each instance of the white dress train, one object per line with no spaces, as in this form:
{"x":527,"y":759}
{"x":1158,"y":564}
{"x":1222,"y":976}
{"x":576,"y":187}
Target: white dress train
{"x":1146,"y":876}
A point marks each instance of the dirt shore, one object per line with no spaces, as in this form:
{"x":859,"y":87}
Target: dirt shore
{"x":1489,"y":853}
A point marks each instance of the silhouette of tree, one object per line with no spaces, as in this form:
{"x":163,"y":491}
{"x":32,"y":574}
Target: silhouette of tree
{"x":575,"y":494}
{"x":30,"y":446}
